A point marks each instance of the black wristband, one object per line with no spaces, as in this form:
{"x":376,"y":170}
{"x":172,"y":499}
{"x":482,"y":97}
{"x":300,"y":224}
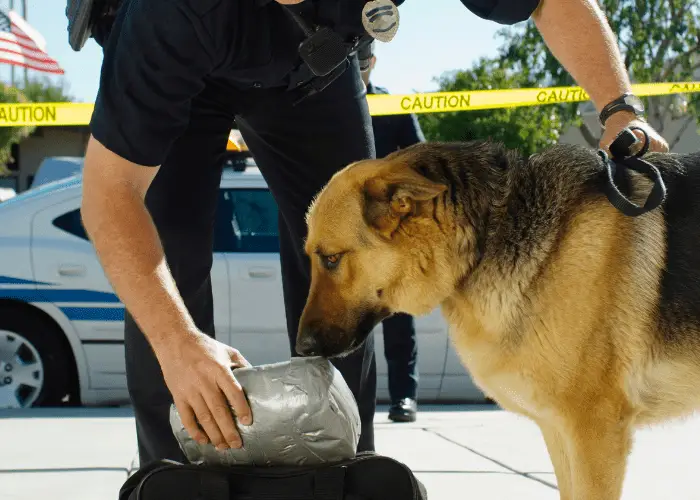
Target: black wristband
{"x":626,"y":102}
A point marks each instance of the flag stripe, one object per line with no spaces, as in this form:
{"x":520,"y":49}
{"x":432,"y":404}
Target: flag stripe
{"x":9,"y":47}
{"x":21,"y":45}
{"x":27,"y":30}
{"x":45,"y":60}
{"x":4,"y":38}
{"x":31,"y":66}
{"x":19,"y":33}
{"x":9,"y":58}
{"x":21,"y":59}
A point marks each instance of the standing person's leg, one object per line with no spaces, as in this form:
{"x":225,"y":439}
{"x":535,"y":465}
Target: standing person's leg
{"x":401,"y":352}
{"x":182,"y":201}
{"x":298,"y":149}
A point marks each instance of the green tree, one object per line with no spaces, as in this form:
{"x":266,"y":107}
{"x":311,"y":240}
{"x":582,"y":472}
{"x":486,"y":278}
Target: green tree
{"x":36,"y":90}
{"x":659,"y":40}
{"x":10,"y":135}
{"x":44,"y":90}
{"x":525,"y":128}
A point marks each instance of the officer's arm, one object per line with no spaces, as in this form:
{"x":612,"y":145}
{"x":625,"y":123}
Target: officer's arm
{"x":122,"y":231}
{"x":153,"y":66}
{"x":578,"y":35}
{"x":155,"y":63}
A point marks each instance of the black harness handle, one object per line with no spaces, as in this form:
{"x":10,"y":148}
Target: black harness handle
{"x":621,"y":157}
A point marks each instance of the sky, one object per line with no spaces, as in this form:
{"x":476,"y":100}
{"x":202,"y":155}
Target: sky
{"x":434,"y":36}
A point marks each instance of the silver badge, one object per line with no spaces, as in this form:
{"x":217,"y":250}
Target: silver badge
{"x":381,"y":19}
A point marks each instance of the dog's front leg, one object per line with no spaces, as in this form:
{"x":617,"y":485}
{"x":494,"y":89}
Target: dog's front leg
{"x":558,"y":454}
{"x":598,"y":450}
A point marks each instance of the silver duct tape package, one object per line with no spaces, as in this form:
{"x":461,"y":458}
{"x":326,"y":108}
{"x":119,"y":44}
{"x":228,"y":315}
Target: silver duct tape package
{"x":303,"y":414}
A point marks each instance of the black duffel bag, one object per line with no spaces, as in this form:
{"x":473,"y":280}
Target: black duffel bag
{"x":368,"y":476}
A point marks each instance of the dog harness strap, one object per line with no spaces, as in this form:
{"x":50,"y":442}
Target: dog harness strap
{"x":620,"y":149}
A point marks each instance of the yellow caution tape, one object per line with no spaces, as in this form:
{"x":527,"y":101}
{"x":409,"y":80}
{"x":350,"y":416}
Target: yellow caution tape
{"x":45,"y":114}
{"x":66,"y":114}
{"x":441,"y":102}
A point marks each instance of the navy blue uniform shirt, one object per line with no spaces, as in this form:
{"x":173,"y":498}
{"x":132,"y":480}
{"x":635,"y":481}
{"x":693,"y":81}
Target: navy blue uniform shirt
{"x":162,"y":53}
{"x":393,"y":132}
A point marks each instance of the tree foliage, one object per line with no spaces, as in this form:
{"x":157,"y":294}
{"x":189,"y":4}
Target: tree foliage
{"x":44,"y":90}
{"x":36,"y":90}
{"x":526,"y":128}
{"x":659,"y":41}
{"x":10,"y":135}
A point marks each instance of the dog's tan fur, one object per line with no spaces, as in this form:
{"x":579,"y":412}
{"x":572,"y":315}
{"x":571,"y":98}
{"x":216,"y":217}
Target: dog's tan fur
{"x":569,"y":332}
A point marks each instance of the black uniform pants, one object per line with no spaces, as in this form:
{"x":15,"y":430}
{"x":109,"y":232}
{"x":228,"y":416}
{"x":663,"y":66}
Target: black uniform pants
{"x":401,"y":353}
{"x":297,"y":148}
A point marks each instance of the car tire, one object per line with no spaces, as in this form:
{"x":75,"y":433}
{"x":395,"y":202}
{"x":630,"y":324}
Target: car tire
{"x":41,"y":344}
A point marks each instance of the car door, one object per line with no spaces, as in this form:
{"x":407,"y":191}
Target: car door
{"x":248,"y":236}
{"x":63,"y":257}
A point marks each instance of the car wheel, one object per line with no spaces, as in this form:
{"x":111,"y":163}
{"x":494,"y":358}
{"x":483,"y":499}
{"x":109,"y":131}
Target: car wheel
{"x":35,"y":365}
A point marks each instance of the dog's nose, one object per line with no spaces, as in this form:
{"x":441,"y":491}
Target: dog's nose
{"x":307,"y":345}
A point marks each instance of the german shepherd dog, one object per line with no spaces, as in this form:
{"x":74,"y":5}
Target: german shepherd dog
{"x":562,"y":308}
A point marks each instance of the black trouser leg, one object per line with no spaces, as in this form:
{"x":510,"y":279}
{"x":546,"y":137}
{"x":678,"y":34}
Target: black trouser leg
{"x":298,"y":149}
{"x":182,"y":201}
{"x":401,"y":354}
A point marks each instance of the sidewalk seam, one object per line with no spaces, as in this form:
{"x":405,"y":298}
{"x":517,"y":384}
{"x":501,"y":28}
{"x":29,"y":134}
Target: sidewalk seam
{"x":501,"y":464}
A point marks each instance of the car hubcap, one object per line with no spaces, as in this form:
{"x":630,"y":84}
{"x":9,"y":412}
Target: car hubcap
{"x":21,"y":371}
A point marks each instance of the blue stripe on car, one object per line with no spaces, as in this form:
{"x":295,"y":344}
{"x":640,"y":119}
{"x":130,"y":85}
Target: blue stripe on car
{"x":94,"y":313}
{"x":65,"y":296}
{"x":57,"y":295}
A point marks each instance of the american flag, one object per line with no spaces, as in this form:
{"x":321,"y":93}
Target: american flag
{"x":21,"y":45}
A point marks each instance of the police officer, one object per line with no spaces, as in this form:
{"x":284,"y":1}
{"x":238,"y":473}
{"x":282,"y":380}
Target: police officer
{"x":175,"y":76}
{"x":393,"y":132}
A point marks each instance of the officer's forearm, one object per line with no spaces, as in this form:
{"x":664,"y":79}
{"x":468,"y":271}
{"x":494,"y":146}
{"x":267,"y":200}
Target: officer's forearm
{"x":122,"y":231}
{"x":579,"y":36}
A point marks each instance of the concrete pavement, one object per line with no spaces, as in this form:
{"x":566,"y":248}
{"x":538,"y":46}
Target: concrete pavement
{"x":470,"y":452}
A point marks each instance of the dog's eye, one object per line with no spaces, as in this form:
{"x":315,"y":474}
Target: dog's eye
{"x":330,"y":262}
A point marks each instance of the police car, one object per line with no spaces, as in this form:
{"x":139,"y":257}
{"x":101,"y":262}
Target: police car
{"x":61,"y":324}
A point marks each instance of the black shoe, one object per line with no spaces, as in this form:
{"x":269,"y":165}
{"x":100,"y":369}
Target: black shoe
{"x":403,"y":410}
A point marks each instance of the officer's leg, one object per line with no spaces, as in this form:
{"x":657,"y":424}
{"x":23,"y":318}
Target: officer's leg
{"x":298,"y":149}
{"x":401,"y":354}
{"x":182,"y":201}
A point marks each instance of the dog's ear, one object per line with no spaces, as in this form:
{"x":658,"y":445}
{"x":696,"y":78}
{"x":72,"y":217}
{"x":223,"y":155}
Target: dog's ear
{"x":392,"y":197}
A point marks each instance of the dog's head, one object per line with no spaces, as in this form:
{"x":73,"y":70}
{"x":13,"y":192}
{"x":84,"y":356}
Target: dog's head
{"x":381,"y":239}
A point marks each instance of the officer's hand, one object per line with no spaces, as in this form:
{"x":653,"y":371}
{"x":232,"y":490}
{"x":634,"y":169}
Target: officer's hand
{"x":198,"y":373}
{"x":621,"y":120}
